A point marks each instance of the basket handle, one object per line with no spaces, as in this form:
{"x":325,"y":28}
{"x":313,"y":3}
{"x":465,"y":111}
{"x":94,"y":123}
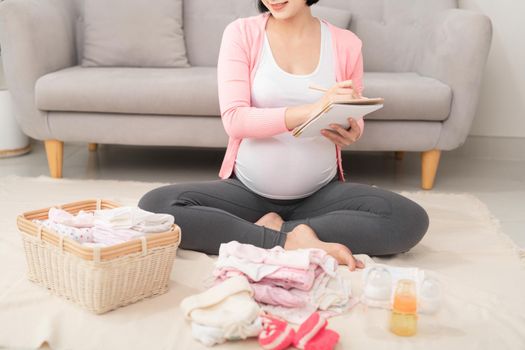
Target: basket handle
{"x":39,"y":232}
{"x":144,"y":245}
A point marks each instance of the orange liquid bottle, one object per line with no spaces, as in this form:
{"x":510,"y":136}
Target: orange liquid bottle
{"x":403,"y":320}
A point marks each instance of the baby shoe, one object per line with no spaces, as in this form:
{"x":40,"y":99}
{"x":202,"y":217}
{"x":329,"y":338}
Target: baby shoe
{"x":276,"y":334}
{"x":326,"y":339}
{"x":309,"y":329}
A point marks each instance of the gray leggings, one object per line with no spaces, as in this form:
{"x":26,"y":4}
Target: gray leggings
{"x":366,"y":219}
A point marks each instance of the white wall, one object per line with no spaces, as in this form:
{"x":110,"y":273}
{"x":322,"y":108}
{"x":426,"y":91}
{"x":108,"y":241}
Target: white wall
{"x":501,"y":110}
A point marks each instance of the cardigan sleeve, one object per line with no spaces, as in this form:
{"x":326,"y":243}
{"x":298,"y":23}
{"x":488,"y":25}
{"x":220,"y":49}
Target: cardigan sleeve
{"x":239,"y":118}
{"x":355,"y":67}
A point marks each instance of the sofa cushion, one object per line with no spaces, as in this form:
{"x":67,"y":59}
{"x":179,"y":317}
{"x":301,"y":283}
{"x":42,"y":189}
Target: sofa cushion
{"x":171,"y":91}
{"x":193,"y":91}
{"x":139,"y":33}
{"x":408,"y":96}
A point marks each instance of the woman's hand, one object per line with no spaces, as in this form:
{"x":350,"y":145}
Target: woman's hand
{"x":341,"y":136}
{"x":340,"y":91}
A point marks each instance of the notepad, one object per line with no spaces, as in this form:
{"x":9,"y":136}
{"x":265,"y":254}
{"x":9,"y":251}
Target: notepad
{"x":337,"y":113}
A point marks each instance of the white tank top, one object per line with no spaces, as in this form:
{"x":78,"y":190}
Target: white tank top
{"x":283,"y":166}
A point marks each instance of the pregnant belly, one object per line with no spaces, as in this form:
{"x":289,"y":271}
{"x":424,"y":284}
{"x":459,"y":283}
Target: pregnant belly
{"x":285,"y":167}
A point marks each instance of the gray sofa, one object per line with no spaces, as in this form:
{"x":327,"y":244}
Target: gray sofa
{"x":425,"y":58}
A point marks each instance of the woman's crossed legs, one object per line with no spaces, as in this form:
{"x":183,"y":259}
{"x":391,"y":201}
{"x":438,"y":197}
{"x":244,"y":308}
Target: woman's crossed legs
{"x":339,"y":217}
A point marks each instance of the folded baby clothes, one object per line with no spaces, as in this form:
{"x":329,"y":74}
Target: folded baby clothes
{"x":269,"y":294}
{"x":330,"y":296}
{"x":228,"y":306}
{"x":81,"y":235}
{"x":81,"y":220}
{"x":289,"y":289}
{"x":110,"y":236}
{"x":276,"y":257}
{"x":133,"y":218}
{"x":107,"y":226}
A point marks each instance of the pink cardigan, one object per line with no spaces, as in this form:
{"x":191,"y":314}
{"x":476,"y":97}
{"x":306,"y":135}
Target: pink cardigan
{"x":238,"y":59}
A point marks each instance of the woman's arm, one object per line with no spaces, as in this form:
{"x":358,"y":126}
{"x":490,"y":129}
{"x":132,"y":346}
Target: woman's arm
{"x":240,"y":120}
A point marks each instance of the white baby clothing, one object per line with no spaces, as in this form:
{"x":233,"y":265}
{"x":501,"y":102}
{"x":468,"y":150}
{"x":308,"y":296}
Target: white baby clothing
{"x":228,"y":306}
{"x":133,"y":218}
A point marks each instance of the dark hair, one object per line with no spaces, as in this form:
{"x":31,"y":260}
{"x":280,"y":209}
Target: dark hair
{"x":262,"y":8}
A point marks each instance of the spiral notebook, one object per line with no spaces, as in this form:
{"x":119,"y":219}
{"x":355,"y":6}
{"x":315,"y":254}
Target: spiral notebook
{"x":337,"y":113}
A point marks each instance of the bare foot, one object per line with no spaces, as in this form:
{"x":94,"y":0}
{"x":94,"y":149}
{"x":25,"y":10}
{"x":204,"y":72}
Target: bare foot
{"x":271,"y":220}
{"x":303,"y":236}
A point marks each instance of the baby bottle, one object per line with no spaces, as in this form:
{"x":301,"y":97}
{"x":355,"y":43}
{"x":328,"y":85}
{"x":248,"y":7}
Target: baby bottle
{"x":378,"y":287}
{"x":429,"y":297}
{"x":404,"y":318}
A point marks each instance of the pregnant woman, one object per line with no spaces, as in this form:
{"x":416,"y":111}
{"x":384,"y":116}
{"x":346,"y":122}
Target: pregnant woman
{"x":275,"y":189}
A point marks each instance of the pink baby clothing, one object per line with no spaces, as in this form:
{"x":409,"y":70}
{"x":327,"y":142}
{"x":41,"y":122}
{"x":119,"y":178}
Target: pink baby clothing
{"x":82,"y":235}
{"x":268,"y":294}
{"x":262,"y":262}
{"x":287,"y":277}
{"x":81,"y":220}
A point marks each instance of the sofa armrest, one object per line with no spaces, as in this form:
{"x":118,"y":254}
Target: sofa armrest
{"x":454,"y":51}
{"x":36,"y":37}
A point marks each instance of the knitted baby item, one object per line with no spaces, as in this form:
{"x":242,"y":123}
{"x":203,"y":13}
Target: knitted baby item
{"x":309,"y":329}
{"x":313,"y":335}
{"x":276,"y":334}
{"x":226,"y":304}
{"x":326,"y":339}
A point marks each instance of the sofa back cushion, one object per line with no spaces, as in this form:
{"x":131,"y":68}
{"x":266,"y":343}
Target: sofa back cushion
{"x":204,"y":22}
{"x":136,"y":33}
{"x":391,"y":30}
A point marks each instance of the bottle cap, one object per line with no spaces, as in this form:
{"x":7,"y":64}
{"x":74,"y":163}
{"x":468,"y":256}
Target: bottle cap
{"x":378,"y":285}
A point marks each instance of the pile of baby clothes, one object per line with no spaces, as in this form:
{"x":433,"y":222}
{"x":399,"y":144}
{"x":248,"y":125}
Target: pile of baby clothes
{"x":106,"y":226}
{"x":291,"y":284}
{"x":224,"y":312}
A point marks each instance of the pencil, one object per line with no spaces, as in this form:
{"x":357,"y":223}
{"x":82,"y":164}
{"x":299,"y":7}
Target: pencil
{"x":317,"y":87}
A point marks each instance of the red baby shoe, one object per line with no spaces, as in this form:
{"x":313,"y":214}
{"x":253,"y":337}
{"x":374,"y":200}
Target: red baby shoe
{"x":326,"y":339}
{"x":309,"y":329}
{"x":276,"y":334}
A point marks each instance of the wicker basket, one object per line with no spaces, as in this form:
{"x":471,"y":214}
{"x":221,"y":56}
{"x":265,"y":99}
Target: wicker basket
{"x":98,"y":279}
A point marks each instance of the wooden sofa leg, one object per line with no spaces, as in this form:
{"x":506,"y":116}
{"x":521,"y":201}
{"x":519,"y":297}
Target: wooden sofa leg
{"x":429,"y":166}
{"x":399,"y":155}
{"x":92,"y":147}
{"x":55,"y":156}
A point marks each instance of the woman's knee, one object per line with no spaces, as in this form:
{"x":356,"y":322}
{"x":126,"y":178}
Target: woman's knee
{"x":158,"y":199}
{"x":411,"y":225}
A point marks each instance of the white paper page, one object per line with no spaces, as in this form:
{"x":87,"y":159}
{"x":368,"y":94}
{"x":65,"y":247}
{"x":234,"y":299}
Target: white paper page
{"x":338,"y":114}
